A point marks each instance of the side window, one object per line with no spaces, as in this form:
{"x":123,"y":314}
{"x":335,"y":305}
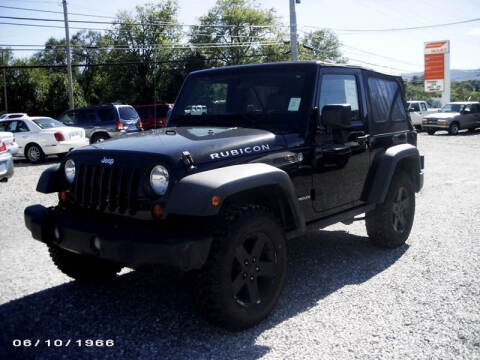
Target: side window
{"x":398,"y":111}
{"x":17,"y":126}
{"x":415,"y":107}
{"x":22,"y":127}
{"x":68,"y":118}
{"x":4,"y":125}
{"x":85,"y":117}
{"x":340,"y":89}
{"x":475,"y":108}
{"x":107,"y":115}
{"x":385,"y":99}
{"x":423,"y":107}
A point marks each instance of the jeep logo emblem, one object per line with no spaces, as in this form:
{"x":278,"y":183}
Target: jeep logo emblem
{"x":108,"y":161}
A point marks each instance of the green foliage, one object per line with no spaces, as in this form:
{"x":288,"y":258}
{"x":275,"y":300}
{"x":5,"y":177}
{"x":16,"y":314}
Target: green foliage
{"x":157,"y":65}
{"x":460,"y":90}
{"x":321,"y":45}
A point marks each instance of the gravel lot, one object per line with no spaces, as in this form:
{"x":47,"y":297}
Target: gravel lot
{"x":343,"y":299}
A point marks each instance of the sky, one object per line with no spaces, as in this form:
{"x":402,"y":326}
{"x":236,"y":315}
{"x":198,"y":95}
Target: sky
{"x":394,"y":51}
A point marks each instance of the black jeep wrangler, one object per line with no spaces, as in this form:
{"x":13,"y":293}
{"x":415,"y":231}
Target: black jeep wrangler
{"x":253,"y":155}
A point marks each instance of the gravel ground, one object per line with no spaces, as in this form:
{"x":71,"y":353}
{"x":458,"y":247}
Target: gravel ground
{"x":343,"y":299}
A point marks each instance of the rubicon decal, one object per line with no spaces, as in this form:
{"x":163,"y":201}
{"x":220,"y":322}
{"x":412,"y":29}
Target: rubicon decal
{"x":241,"y":151}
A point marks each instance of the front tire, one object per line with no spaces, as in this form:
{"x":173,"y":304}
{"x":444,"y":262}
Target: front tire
{"x":389,"y":225}
{"x":83,"y":268}
{"x":246,"y":269}
{"x":453,"y":129}
{"x":34,"y":154}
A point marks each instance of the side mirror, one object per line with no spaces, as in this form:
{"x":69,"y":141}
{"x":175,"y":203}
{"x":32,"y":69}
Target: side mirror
{"x":337,"y":116}
{"x":411,"y":110}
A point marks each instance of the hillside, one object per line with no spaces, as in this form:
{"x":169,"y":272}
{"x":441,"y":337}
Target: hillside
{"x":456,"y":75}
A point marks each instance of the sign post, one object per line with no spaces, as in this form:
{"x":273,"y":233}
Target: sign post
{"x":437,"y":68}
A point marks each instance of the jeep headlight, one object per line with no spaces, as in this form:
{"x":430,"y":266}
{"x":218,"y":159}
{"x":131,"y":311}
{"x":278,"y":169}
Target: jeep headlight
{"x":159,"y":179}
{"x":70,"y":170}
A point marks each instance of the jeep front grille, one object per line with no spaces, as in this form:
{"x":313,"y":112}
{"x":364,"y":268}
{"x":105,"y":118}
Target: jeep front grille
{"x":106,"y":186}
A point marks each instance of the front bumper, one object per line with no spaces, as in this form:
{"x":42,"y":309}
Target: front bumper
{"x":129,"y":242}
{"x":6,"y":166}
{"x":436,"y":126}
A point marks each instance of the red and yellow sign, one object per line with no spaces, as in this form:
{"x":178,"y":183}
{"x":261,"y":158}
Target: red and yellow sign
{"x":435,"y":53}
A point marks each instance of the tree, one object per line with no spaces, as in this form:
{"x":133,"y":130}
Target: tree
{"x":237,"y":28}
{"x":144,"y":39}
{"x":321,"y":45}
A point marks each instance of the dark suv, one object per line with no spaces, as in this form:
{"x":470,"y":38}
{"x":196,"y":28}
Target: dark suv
{"x":270,"y":152}
{"x":103,"y":122}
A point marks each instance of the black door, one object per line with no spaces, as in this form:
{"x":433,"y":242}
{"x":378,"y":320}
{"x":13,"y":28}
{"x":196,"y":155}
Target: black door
{"x":343,"y":157}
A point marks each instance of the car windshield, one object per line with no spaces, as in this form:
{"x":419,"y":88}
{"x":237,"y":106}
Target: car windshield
{"x":452,"y":108}
{"x":127,"y":113}
{"x":46,"y":123}
{"x":270,"y":98}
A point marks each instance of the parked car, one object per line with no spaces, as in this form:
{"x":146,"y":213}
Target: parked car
{"x":103,"y":122}
{"x":39,"y":136}
{"x":453,"y":117}
{"x":153,"y":116}
{"x":9,"y":140}
{"x":13,"y":116}
{"x":418,"y":110}
{"x":270,"y":152}
{"x":6,"y":163}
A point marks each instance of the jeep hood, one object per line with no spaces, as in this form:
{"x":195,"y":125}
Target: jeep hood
{"x":442,"y":115}
{"x":205,"y":144}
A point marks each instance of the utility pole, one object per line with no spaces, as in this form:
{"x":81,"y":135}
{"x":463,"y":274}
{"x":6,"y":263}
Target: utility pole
{"x":293,"y":30}
{"x":4,"y":83}
{"x":69,"y":60}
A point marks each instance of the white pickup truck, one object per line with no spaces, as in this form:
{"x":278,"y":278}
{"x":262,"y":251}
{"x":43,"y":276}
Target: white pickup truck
{"x":417,"y":110}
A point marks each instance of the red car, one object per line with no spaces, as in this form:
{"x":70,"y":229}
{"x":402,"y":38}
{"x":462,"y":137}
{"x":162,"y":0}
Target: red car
{"x":154,"y":115}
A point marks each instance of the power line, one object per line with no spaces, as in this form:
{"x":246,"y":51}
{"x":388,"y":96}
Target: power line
{"x":55,"y":12}
{"x":173,"y":46}
{"x":378,"y":55}
{"x":136,"y":23}
{"x":400,"y":29}
{"x":43,"y":66}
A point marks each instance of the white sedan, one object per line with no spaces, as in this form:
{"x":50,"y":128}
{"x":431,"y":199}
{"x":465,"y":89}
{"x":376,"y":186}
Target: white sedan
{"x":39,"y":136}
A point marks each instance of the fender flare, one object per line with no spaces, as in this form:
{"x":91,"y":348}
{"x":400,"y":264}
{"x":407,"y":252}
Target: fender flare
{"x":51,"y":180}
{"x":384,"y":167}
{"x":192,"y":195}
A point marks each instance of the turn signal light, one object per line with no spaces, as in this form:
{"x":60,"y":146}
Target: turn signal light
{"x":216,"y":200}
{"x":62,"y":196}
{"x":157,"y":211}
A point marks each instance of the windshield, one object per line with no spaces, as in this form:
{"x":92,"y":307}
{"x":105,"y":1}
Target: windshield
{"x":46,"y":123}
{"x":127,"y":113}
{"x":452,"y":108}
{"x":269,"y":98}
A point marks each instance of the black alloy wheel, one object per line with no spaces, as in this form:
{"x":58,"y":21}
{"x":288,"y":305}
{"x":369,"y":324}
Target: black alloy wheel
{"x":253,"y":269}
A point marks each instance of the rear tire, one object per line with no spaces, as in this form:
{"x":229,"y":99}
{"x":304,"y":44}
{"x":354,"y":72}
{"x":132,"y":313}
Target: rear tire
{"x":389,"y":225}
{"x":246,"y":269}
{"x":83,"y":268}
{"x":97,"y":138}
{"x":34,"y":154}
